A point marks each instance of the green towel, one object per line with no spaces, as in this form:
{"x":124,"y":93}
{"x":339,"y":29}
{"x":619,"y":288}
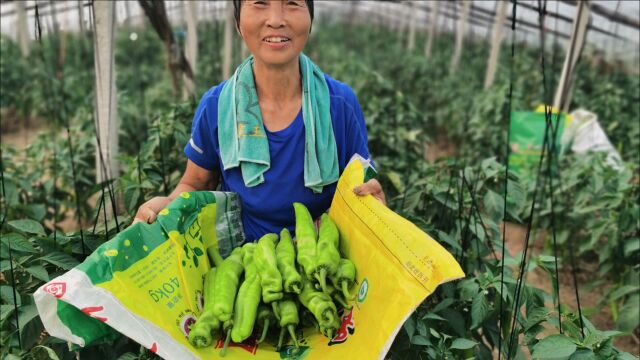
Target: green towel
{"x":242,"y":138}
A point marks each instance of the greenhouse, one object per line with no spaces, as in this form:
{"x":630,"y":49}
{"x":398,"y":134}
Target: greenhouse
{"x":460,"y":180}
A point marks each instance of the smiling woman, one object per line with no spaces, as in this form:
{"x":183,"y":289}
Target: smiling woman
{"x":278,"y":131}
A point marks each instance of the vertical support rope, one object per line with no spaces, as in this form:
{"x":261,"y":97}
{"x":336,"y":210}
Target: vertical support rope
{"x":506,"y":177}
{"x":542,"y":10}
{"x":3,"y":202}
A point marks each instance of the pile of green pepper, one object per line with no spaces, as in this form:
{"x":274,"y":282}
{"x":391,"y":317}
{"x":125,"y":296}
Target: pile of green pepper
{"x":278,"y":277}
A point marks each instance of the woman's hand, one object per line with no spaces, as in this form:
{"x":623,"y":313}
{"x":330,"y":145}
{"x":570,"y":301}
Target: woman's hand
{"x":194,"y":178}
{"x":148,"y":211}
{"x":371,"y":187}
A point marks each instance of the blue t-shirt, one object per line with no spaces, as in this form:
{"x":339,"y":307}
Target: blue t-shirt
{"x":268,"y":207}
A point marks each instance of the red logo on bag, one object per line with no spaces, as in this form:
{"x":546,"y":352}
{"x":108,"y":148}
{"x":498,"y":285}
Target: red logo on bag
{"x":348,"y":327}
{"x":92,"y":309}
{"x":250,"y":345}
{"x":57,"y":289}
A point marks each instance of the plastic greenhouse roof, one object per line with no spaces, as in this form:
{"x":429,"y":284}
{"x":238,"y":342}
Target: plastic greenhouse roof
{"x":617,"y":39}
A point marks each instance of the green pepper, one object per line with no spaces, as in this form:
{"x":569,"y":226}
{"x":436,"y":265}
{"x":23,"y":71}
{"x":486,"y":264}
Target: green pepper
{"x":226,"y":326}
{"x":265,"y":319}
{"x":248,"y":297}
{"x":320,"y":305}
{"x":345,"y":277}
{"x":267,"y":265}
{"x":207,"y":323}
{"x":288,"y":320}
{"x":226,"y":285}
{"x":328,"y":254}
{"x":305,"y":239}
{"x":335,"y":294}
{"x":286,"y":257}
{"x":329,"y":329}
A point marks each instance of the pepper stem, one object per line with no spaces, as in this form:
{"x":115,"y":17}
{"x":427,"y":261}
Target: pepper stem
{"x":322,"y":279}
{"x":292,"y":333}
{"x":345,"y":291}
{"x":339,"y":299}
{"x":280,"y":338}
{"x":295,"y":288}
{"x":264,"y":331}
{"x":223,"y":352}
{"x":330,"y":333}
{"x":276,"y":311}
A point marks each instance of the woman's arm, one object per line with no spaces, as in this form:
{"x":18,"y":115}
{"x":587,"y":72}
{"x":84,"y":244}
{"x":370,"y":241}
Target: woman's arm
{"x":194,"y":178}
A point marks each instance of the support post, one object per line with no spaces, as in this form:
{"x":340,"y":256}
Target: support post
{"x":411,"y":42}
{"x":562,"y":98}
{"x":433,"y":28}
{"x":22,"y":28}
{"x":227,"y":54}
{"x":106,"y":96}
{"x":462,"y":26}
{"x":501,"y":15}
{"x":191,"y":12}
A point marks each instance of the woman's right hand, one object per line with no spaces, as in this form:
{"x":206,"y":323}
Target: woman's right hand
{"x":148,"y":211}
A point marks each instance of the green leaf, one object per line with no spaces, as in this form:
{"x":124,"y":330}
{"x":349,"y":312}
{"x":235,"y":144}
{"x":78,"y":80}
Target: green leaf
{"x":6,"y":294}
{"x":631,"y":246}
{"x":6,"y":311}
{"x":623,"y":291}
{"x":410,"y":326}
{"x":39,"y":272}
{"x":432,"y":316}
{"x":43,"y":352}
{"x":536,"y":316}
{"x":128,"y":356}
{"x":494,"y":204}
{"x":60,"y":259}
{"x":463,"y":344}
{"x":629,"y":314}
{"x":26,"y":314}
{"x":18,"y":243}
{"x":395,"y":180}
{"x":27,"y":226}
{"x":479,"y":310}
{"x":469,"y":289}
{"x":583,"y":354}
{"x":456,"y":321}
{"x":420,"y":340}
{"x":556,"y":346}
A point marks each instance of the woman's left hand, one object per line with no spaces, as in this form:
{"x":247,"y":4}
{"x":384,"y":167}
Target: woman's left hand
{"x":371,"y":187}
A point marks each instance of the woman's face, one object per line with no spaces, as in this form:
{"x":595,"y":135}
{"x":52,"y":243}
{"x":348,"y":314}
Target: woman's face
{"x":275,"y":31}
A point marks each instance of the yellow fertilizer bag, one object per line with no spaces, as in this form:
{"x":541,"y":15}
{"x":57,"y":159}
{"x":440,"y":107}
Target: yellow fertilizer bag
{"x":146,"y":282}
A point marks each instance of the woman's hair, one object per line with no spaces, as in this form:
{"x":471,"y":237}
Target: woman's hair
{"x":237,"y":4}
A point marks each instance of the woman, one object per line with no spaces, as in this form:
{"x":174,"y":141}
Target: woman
{"x":278,"y":131}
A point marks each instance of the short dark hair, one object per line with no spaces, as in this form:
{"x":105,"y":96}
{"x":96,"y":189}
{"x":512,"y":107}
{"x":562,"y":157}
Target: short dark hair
{"x":237,"y":4}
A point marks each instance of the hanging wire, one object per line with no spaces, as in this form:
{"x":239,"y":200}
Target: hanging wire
{"x":5,"y":212}
{"x":542,"y":11}
{"x":506,"y":174}
{"x":54,"y":159}
{"x":64,"y":119}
